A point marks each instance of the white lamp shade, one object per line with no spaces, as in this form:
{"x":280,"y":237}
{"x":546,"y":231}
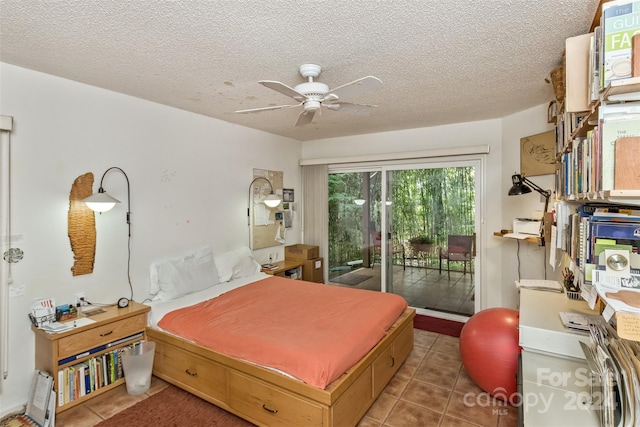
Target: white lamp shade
{"x":100,"y":202}
{"x":359,"y":202}
{"x":272,"y":200}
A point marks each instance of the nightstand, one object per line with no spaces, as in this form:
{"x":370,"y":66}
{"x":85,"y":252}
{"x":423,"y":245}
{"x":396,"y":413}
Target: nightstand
{"x":286,"y":265}
{"x":91,"y":349}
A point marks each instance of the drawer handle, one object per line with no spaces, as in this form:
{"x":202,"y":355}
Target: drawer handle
{"x":273,"y":411}
{"x":106,"y":333}
{"x":393,"y":361}
{"x":193,"y":374}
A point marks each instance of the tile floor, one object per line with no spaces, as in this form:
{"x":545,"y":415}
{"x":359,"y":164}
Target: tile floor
{"x":430,"y":389}
{"x":426,"y":287}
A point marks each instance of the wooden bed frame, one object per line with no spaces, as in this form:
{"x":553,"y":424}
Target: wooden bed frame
{"x":268,"y":398}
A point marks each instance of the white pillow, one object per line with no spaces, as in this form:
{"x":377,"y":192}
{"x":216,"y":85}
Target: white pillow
{"x":235,"y":264}
{"x":177,"y":276}
{"x":246,"y":264}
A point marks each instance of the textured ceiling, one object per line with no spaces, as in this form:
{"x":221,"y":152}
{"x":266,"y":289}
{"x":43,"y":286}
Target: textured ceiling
{"x":440,"y":61}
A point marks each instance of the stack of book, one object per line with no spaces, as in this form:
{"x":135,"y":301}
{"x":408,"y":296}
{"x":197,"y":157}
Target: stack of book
{"x":82,"y":378}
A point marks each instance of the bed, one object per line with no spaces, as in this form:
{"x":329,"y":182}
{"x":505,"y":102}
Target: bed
{"x":253,"y":385}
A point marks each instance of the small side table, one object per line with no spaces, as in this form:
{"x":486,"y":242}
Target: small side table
{"x":285,"y":265}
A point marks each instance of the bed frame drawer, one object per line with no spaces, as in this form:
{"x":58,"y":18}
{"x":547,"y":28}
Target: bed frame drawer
{"x":193,"y":371}
{"x":74,"y":344}
{"x":403,"y":344}
{"x":270,"y":406}
{"x":388,"y":362}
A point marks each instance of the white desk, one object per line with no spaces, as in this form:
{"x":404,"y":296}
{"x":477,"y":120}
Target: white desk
{"x":555,"y":380}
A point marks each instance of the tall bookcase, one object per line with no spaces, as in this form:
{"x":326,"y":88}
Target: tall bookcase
{"x":593,"y":130}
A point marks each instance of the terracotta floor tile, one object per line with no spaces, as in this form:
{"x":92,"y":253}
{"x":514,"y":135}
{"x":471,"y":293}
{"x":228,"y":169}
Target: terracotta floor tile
{"x":407,"y":414}
{"x":424,"y":338}
{"x":381,"y":407}
{"x":368,"y":422}
{"x":396,"y":386}
{"x":427,"y":395}
{"x":113,"y":401}
{"x":465,"y":384}
{"x":449,"y":421}
{"x":447,"y":346}
{"x":441,"y":376}
{"x":479,"y":409}
{"x":78,"y":416}
{"x":442,"y":358}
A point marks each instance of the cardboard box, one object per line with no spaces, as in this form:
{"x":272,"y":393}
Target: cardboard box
{"x":301,"y":252}
{"x":312,"y":270}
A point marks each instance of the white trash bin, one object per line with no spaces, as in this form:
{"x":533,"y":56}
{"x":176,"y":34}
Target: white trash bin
{"x":137,"y":363}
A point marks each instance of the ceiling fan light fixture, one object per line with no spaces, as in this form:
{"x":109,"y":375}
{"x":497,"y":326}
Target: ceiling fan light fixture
{"x":314,"y":95}
{"x":312,"y":105}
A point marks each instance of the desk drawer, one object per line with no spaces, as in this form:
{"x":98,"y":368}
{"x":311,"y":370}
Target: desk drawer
{"x":91,"y":338}
{"x":269,"y":405}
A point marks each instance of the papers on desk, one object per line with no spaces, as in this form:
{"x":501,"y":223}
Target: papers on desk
{"x":614,"y":366}
{"x":540,"y":285}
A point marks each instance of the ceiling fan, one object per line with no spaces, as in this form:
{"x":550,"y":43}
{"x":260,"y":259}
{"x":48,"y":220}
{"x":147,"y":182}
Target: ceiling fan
{"x":314,"y":95}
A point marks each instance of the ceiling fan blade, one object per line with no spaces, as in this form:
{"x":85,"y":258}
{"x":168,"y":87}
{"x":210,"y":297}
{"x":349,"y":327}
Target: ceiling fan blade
{"x":283,"y":89}
{"x":359,"y":109}
{"x":305,"y":118}
{"x":356,"y":87}
{"x":276,"y":107}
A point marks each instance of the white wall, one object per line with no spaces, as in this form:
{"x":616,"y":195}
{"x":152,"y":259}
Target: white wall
{"x":189,"y":178}
{"x":529,"y":258}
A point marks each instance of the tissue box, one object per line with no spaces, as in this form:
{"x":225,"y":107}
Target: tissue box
{"x":526,"y":226}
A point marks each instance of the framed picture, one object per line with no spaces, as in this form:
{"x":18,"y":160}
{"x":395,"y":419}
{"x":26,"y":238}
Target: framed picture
{"x":287,"y":195}
{"x":538,"y":154}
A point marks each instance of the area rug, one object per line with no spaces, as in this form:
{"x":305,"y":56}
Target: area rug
{"x":440,"y":326}
{"x":351,"y":279}
{"x":174,"y":407}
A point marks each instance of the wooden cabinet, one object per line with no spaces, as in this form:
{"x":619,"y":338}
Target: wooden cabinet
{"x":112,"y":329}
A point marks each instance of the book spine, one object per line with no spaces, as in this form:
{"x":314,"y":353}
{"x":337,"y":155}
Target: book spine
{"x":60,"y":387}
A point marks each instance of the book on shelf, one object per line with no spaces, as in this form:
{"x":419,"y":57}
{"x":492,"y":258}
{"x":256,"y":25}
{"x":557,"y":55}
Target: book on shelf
{"x":627,"y":173}
{"x":616,"y":121}
{"x":620,"y":20}
{"x":577,"y":53}
{"x":80,"y":379}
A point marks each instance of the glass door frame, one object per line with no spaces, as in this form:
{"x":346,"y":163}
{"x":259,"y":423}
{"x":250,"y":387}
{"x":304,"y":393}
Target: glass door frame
{"x":478,"y":162}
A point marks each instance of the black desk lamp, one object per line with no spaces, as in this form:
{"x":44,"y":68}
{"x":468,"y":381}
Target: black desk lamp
{"x":523,"y":185}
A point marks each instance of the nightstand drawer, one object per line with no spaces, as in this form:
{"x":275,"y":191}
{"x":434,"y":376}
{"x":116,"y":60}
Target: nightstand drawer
{"x":90,"y":338}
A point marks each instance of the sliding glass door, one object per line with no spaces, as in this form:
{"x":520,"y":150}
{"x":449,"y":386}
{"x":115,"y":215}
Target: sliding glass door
{"x":409,"y":229}
{"x":431,"y":229}
{"x":355,"y":234}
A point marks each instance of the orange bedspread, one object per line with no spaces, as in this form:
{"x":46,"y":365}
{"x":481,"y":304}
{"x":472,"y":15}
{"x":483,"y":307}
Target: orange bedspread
{"x":312,"y":331}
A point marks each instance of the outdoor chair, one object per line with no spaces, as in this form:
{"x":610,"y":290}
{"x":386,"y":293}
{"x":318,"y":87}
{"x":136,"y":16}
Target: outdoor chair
{"x":459,"y":249}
